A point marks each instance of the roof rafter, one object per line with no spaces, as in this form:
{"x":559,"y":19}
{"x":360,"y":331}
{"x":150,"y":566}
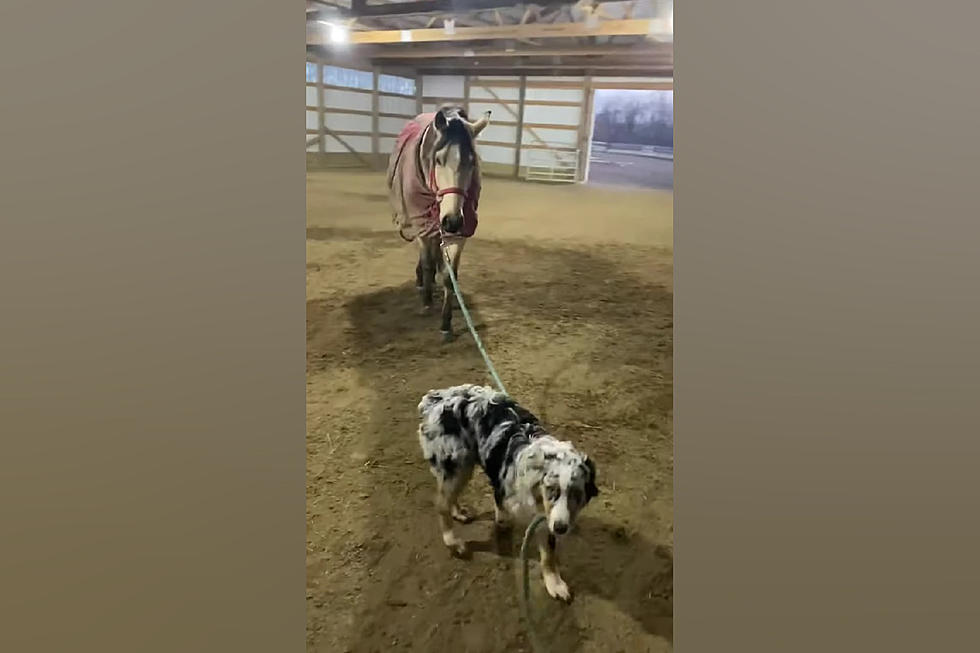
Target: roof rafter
{"x":629,"y":27}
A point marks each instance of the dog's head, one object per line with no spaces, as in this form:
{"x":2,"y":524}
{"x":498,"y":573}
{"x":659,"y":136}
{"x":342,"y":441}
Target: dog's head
{"x":566,"y":483}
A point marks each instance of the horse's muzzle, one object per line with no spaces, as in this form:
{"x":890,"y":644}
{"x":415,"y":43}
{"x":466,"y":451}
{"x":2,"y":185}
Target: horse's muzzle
{"x":452,"y":223}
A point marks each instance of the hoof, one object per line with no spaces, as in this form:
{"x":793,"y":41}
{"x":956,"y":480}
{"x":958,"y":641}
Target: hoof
{"x":558,"y":590}
{"x":447,"y":336}
{"x":425,"y":310}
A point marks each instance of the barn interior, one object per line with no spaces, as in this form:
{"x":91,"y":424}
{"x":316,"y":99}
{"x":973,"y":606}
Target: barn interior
{"x":569,"y":280}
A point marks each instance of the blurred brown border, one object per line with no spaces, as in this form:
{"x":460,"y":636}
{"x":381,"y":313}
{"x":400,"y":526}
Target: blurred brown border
{"x":151,"y":399}
{"x":826,"y":320}
{"x":152,"y":326}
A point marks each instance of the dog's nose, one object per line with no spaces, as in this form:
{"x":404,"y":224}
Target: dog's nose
{"x":560,"y":528}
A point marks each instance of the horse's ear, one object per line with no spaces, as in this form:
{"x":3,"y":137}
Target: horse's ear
{"x":480,"y":124}
{"x":440,"y":121}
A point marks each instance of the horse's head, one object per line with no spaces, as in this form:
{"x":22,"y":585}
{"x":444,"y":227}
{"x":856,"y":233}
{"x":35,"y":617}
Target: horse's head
{"x":454,"y":162}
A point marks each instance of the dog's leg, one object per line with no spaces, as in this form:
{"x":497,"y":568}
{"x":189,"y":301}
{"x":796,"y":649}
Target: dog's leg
{"x":501,"y":519}
{"x":548,"y":547}
{"x":458,"y":512}
{"x":446,"y":497}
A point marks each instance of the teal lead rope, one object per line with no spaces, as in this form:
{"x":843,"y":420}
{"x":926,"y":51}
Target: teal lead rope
{"x":526,"y":603}
{"x":469,"y":323}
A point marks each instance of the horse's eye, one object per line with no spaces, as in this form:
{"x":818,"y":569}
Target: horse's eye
{"x":553,"y":493}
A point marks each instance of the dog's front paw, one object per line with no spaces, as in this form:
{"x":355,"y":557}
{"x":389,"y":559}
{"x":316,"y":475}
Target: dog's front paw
{"x":462,"y":515}
{"x":503,"y":525}
{"x":456,"y":546}
{"x":557,"y":588}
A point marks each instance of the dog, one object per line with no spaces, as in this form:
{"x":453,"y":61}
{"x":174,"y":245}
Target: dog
{"x":531,"y":472}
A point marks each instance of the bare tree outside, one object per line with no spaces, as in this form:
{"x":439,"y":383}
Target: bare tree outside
{"x":635,"y":117}
{"x":633,"y":139}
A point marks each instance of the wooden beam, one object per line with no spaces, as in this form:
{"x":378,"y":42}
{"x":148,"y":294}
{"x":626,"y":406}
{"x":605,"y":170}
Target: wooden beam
{"x":652,"y":85}
{"x":326,"y":130}
{"x":362,"y":112}
{"x":368,"y":91}
{"x":359,"y":132}
{"x":416,"y":52}
{"x":361,"y":9}
{"x":320,"y":106}
{"x":439,"y":99}
{"x":521,"y":93}
{"x":539,"y":63}
{"x":585,"y":122}
{"x":375,"y":111}
{"x":459,"y":68}
{"x":631,"y":27}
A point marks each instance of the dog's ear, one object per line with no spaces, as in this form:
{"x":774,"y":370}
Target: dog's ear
{"x":591,"y":491}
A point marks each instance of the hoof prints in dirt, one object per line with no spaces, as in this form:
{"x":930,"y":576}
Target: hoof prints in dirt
{"x":531,"y":301}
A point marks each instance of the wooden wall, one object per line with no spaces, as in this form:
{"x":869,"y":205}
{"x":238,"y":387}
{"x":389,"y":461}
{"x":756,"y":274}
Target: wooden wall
{"x":549,"y":115}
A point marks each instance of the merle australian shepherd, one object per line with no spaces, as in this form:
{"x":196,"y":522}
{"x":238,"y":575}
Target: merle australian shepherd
{"x":531,"y":472}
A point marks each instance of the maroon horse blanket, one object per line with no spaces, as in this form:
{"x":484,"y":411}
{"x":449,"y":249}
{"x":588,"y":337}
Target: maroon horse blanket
{"x":411,"y":189}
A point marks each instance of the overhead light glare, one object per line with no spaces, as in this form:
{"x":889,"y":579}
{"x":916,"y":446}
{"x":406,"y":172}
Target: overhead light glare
{"x":339,"y":34}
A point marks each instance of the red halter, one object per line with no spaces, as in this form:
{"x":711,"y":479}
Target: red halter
{"x":453,"y":190}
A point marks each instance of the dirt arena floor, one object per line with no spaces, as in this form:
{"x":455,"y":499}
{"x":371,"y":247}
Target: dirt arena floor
{"x":571,"y":288}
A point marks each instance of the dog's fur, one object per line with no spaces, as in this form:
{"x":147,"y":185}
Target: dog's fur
{"x":530,"y":471}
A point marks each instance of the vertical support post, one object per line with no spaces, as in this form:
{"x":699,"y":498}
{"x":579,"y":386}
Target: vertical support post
{"x":418,"y":94}
{"x":375,"y":118}
{"x":321,"y":108}
{"x":466,"y":95}
{"x":522,"y":92}
{"x":584,"y":129}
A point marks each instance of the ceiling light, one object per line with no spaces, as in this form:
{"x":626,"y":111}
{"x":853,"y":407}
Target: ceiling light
{"x":339,"y":34}
{"x":406,"y":35}
{"x":449,"y":26}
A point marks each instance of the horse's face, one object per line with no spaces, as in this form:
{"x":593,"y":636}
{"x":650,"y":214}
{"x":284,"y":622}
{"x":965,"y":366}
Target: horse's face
{"x":454,"y":163}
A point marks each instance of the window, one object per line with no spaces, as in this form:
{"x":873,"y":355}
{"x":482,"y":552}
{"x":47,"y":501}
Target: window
{"x":394,"y":84}
{"x":311,"y":72}
{"x":347,"y":77}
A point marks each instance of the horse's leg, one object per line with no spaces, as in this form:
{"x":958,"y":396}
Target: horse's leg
{"x":426,"y":268}
{"x":453,"y":252}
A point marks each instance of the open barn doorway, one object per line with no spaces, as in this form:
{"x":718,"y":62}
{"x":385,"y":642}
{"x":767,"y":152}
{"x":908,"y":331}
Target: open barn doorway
{"x":632,"y":139}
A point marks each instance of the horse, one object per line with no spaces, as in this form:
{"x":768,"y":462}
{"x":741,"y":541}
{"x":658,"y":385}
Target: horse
{"x":433,"y":183}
